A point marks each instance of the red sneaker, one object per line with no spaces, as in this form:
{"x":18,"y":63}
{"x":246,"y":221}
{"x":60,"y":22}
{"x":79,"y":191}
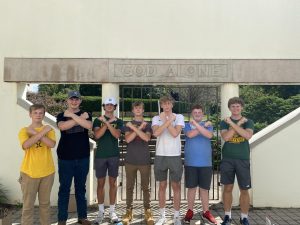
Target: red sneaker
{"x":207,"y":215}
{"x":188,"y":216}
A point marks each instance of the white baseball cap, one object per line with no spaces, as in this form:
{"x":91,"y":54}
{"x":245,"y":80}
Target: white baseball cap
{"x":110,"y":100}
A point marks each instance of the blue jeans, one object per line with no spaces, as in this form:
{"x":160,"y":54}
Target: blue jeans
{"x":67,"y":169}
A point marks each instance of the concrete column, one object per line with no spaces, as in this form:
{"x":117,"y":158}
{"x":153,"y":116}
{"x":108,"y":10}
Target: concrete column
{"x":228,"y":91}
{"x":110,"y":90}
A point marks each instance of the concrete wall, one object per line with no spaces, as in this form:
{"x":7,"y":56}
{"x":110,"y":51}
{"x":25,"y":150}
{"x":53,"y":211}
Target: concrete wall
{"x":197,"y":29}
{"x":275,"y":164}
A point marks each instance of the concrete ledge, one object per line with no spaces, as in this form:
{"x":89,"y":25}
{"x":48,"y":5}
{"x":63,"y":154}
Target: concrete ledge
{"x":152,"y":71}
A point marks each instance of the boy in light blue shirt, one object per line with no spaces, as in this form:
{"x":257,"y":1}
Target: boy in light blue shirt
{"x":198,"y":162}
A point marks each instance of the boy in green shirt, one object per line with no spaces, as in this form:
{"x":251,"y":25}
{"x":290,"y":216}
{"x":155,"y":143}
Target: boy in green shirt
{"x":236,"y":130}
{"x":107,"y":130}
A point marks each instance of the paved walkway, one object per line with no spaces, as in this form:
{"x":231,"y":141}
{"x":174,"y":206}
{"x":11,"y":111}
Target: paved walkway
{"x":258,"y":216}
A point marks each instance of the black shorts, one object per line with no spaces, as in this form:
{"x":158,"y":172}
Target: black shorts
{"x":108,"y":165}
{"x":241,"y":168}
{"x":198,"y":177}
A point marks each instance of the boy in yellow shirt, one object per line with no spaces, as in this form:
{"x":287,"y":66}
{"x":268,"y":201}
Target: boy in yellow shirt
{"x":37,"y":169}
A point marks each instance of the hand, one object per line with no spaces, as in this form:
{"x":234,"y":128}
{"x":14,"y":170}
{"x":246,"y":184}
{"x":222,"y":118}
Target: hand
{"x":208,"y":124}
{"x":193,"y":122}
{"x":242,"y":121}
{"x":163,"y":116}
{"x":173,"y":117}
{"x":143,"y":125}
{"x":31,"y":131}
{"x":102,"y":119}
{"x":68,"y":113}
{"x":112,"y":119}
{"x":129,"y":124}
{"x":228,"y":120}
{"x":47,"y":128}
{"x":84,"y":115}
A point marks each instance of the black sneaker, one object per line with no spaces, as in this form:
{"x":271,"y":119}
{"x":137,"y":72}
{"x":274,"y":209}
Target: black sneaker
{"x":226,"y":220}
{"x":244,"y":221}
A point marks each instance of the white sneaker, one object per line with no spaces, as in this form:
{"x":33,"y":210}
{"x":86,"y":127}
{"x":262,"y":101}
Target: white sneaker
{"x":99,"y":217}
{"x":113,"y":217}
{"x":161,"y":220}
{"x":177,"y":221}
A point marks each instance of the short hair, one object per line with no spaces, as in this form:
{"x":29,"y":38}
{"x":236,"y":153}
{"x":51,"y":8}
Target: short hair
{"x":197,"y":106}
{"x":37,"y":106}
{"x":137,"y":103}
{"x":236,"y":100}
{"x":166,"y":98}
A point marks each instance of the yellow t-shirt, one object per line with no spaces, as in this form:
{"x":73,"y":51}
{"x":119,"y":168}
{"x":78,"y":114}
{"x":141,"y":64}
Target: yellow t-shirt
{"x":38,"y":161}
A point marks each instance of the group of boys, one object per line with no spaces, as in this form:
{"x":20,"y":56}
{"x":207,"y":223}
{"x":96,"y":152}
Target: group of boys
{"x":37,"y":170}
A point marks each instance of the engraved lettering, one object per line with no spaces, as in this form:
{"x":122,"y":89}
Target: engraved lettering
{"x":140,"y":71}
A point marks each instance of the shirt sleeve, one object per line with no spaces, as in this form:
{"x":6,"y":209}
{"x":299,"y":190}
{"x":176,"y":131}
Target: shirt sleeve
{"x":210,"y":128}
{"x":148,"y":128}
{"x":223,"y":125}
{"x":90,"y":117}
{"x":187,"y":128}
{"x":249,"y":124}
{"x":23,"y":136}
{"x":51,"y":135}
{"x":126,"y":129}
{"x":60,"y":117}
{"x":97,"y":123}
{"x":155,"y":121}
{"x":120,"y":125}
{"x":179,"y":120}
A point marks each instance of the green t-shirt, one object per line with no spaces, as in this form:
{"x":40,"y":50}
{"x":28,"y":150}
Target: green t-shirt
{"x":107,"y":145}
{"x":237,"y":147}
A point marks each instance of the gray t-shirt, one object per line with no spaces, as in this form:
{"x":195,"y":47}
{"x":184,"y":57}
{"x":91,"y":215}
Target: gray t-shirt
{"x":138,"y":149}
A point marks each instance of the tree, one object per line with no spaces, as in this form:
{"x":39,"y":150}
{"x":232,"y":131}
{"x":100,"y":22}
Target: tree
{"x":52,"y":89}
{"x":90,"y":89}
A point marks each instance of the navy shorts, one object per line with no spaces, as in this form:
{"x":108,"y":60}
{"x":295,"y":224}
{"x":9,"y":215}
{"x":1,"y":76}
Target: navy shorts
{"x":198,"y":177}
{"x":107,"y":165}
{"x":241,"y":168}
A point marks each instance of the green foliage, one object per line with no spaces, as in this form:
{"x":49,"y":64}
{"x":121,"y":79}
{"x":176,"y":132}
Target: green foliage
{"x":53,"y":106}
{"x":282,"y":91}
{"x":3,"y":194}
{"x":52,"y":89}
{"x":90,"y":89}
{"x":265,"y":104}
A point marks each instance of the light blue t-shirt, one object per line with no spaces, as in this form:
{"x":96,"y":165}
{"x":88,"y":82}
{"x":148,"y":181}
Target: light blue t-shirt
{"x":197,"y":150}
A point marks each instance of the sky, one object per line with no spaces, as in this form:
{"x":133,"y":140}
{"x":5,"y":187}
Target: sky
{"x":33,"y":88}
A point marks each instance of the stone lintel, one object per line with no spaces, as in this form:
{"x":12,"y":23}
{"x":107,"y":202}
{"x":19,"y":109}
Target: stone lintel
{"x":152,"y":71}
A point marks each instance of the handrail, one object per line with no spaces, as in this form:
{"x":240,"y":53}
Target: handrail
{"x":274,"y":127}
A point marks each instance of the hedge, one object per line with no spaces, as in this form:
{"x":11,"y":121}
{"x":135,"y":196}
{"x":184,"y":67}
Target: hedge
{"x":93,"y":104}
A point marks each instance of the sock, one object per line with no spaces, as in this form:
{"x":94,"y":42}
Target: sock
{"x":244,"y":215}
{"x":162,"y":212}
{"x":228,"y":214}
{"x":111,"y":208}
{"x":101,"y":207}
{"x":176,"y":213}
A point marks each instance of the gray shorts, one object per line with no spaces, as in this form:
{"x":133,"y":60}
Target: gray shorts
{"x":198,"y":177}
{"x":164,"y":163}
{"x":107,"y":165}
{"x":241,"y":168}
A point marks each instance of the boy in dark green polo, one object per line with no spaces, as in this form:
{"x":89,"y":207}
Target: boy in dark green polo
{"x":107,"y":130}
{"x":236,"y":130}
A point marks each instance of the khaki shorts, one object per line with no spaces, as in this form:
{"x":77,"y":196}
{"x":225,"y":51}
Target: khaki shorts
{"x":163,"y":164}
